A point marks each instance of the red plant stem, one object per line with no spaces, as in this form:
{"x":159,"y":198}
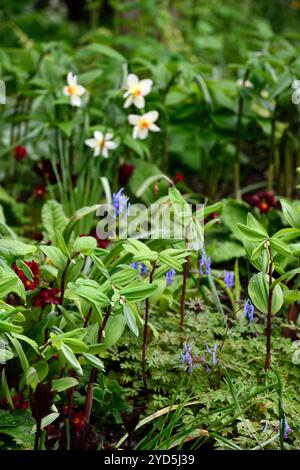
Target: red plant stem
{"x":269,"y":317}
{"x":145,"y":345}
{"x":93,"y":375}
{"x":183,"y":293}
{"x":87,"y":317}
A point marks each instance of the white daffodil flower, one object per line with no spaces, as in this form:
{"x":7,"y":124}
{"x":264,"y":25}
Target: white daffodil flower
{"x":73,"y":90}
{"x":136,"y":90}
{"x":247,"y":84}
{"x":101,"y":143}
{"x":143,"y":124}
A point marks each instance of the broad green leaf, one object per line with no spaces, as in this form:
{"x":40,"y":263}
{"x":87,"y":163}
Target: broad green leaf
{"x":259,"y":293}
{"x":138,"y":291}
{"x":59,"y":385}
{"x":85,"y":245}
{"x":32,"y":377}
{"x":10,"y":327}
{"x":71,"y":358}
{"x":280,"y":247}
{"x":250,"y":234}
{"x":130,"y":319}
{"x":11,"y":250}
{"x":290,"y":213}
{"x":20,"y":352}
{"x":55,"y":255}
{"x":113,"y":330}
{"x":94,"y":361}
{"x":53,"y":218}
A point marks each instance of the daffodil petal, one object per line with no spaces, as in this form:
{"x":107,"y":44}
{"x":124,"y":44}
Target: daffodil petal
{"x":132,"y":80}
{"x":134,"y":119}
{"x":154,"y":128}
{"x":111,"y":145}
{"x":75,"y":100}
{"x":98,"y":135}
{"x":146,"y":86}
{"x":139,"y":102}
{"x":152,"y":116}
{"x":128,"y":102}
{"x":66,"y":91}
{"x":135,"y":132}
{"x":143,"y":133}
{"x":91,"y":143}
{"x":80,"y":90}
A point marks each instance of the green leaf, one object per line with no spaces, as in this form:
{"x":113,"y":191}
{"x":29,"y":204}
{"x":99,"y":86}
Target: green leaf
{"x":280,"y":247}
{"x":10,"y":327}
{"x":59,"y":385}
{"x":257,"y":251}
{"x":5,"y":389}
{"x":11,"y":250}
{"x":10,"y":283}
{"x":55,"y":255}
{"x":114,"y":329}
{"x":20,"y":352}
{"x":140,"y":251}
{"x":53,"y":218}
{"x":32,"y":377}
{"x":85,"y":245}
{"x":138,"y":291}
{"x":71,"y":358}
{"x":286,"y":276}
{"x":252,"y":222}
{"x":250,"y":234}
{"x":130,"y":319}
{"x":100,"y":49}
{"x":50,"y":418}
{"x":290,"y":213}
{"x":94,"y":361}
{"x":259,"y":293}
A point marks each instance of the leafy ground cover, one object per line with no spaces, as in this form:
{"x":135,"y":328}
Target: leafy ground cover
{"x":137,"y":342}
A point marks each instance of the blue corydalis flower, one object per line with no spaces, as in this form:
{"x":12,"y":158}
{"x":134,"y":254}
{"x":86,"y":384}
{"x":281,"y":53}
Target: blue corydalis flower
{"x":120,"y":201}
{"x":249,"y":310}
{"x":205,"y":262}
{"x":229,"y":279}
{"x":144,"y":269}
{"x":170,"y":276}
{"x":186,"y":356}
{"x":287,"y":429}
{"x":213,"y":353}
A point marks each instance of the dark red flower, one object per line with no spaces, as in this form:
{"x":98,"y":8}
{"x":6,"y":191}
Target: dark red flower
{"x":263,"y":207}
{"x":78,"y":420}
{"x":44,"y":169}
{"x":18,"y":402}
{"x":46,"y":296}
{"x":74,"y":180}
{"x":40,"y":191}
{"x":263,"y":200}
{"x":38,"y":236}
{"x":178,"y":177}
{"x":125,"y":171}
{"x":28,"y":284}
{"x":20,"y":153}
{"x":100,"y":243}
